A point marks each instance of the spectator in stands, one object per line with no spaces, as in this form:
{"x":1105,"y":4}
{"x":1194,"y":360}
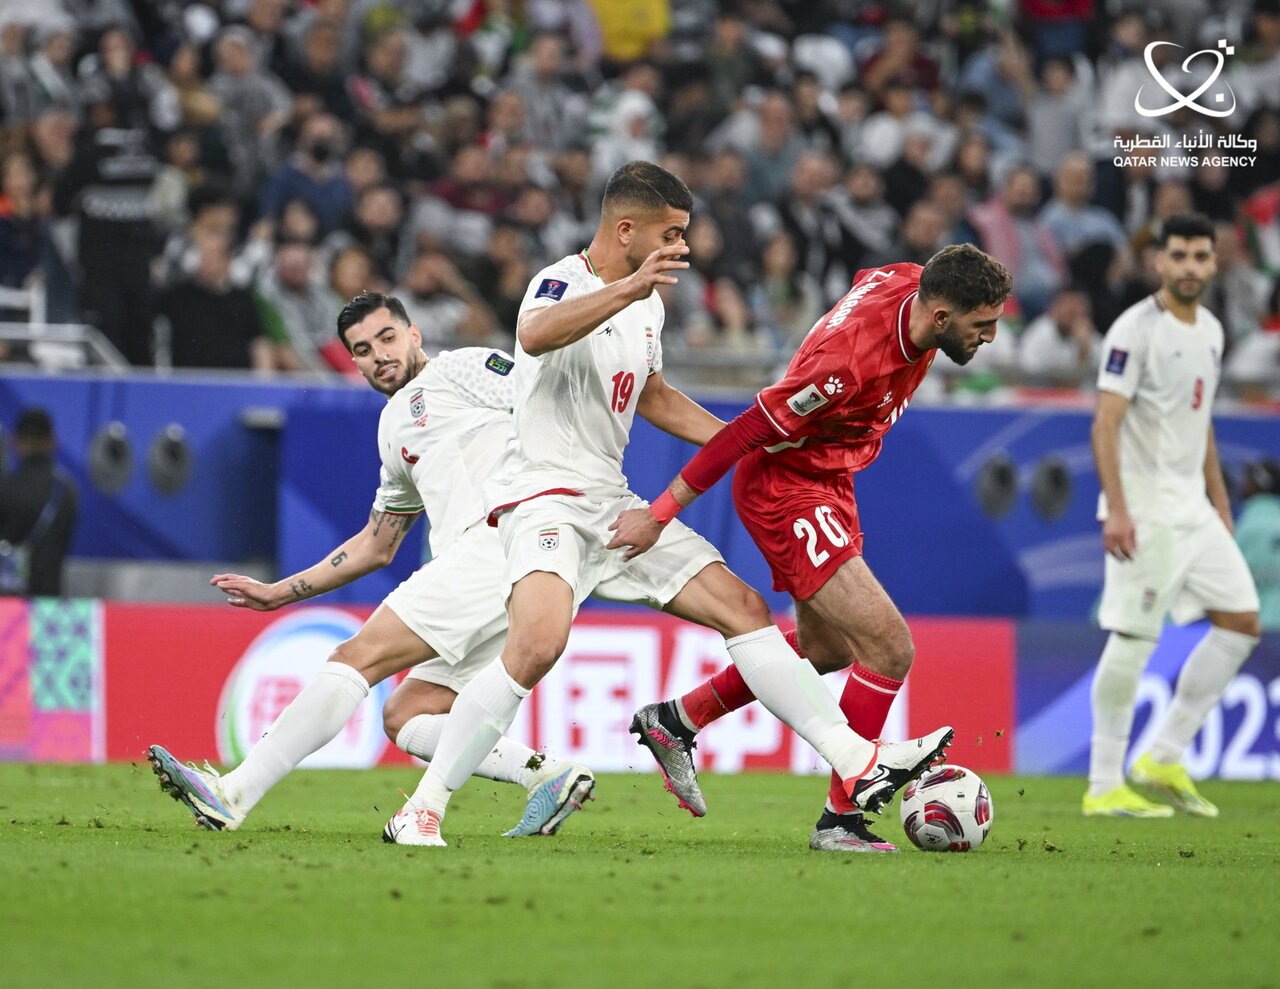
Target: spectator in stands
{"x":501,"y":274}
{"x":199,"y":107}
{"x":15,"y":75}
{"x":1009,"y":231}
{"x":553,"y":112}
{"x":973,"y":164}
{"x":23,"y":233}
{"x":1262,"y":126}
{"x":387,"y":101}
{"x":785,"y":301}
{"x":140,"y":94}
{"x":53,"y":79}
{"x":1258,"y":535}
{"x":1061,"y":345}
{"x":921,"y":237}
{"x":577,"y":201}
{"x":444,"y":306}
{"x":1238,"y":293}
{"x":296,"y":301}
{"x":710,"y":307}
{"x":314,"y":75}
{"x":723,"y":190}
{"x":38,"y":507}
{"x":52,"y":143}
{"x":868,"y":223}
{"x":265,"y":19}
{"x":506,"y":125}
{"x":1258,"y":80}
{"x":377,"y":226}
{"x":255,"y":106}
{"x":732,"y":62}
{"x":772,"y":151}
{"x":351,"y":272}
{"x":806,"y":213}
{"x":106,"y":187}
{"x":1058,"y":113}
{"x":314,"y":173}
{"x":210,"y":322}
{"x":949,"y":195}
{"x":900,"y":59}
{"x":881,"y":138}
{"x":815,"y":128}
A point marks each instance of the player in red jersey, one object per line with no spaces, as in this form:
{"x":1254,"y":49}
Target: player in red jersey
{"x":797,"y":449}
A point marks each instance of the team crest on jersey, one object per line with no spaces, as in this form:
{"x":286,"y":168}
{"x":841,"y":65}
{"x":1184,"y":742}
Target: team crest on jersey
{"x":549,"y":539}
{"x":1116,"y":360}
{"x":498,"y":364}
{"x":551,"y":288}
{"x":806,"y":400}
{"x":417,"y":405}
{"x":648,"y":345}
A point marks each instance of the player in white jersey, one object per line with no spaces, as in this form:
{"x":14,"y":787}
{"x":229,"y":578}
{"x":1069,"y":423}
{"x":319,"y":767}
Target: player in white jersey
{"x":446,"y":426}
{"x":588,"y":358}
{"x":1166,"y":528}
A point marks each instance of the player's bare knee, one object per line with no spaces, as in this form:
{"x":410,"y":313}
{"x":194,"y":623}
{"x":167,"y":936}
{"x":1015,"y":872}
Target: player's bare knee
{"x":828,"y":659}
{"x":741,"y":611}
{"x":894,"y":659}
{"x":394,"y":716}
{"x":529,"y":661}
{"x":350,"y":653}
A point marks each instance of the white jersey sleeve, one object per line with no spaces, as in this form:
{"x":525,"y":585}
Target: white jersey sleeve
{"x":482,"y":380}
{"x":397,"y":492}
{"x":566,"y":279}
{"x":1124,"y":353}
{"x":655,"y":351}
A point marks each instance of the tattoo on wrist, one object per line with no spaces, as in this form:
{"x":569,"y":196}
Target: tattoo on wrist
{"x":337,"y":560}
{"x":299,"y":588}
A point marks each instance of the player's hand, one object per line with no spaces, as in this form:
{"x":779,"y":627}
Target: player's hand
{"x":658,"y":269}
{"x":637,"y":529}
{"x":245,"y":592}
{"x":1119,"y":536}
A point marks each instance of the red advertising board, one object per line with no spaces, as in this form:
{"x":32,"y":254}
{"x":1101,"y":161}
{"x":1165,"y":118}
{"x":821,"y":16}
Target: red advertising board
{"x":206,"y":681}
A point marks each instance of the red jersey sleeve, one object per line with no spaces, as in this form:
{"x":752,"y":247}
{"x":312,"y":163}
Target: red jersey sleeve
{"x":816,"y":385}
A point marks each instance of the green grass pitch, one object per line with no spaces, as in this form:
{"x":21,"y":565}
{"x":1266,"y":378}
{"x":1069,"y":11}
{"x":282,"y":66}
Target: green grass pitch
{"x":105,"y":882}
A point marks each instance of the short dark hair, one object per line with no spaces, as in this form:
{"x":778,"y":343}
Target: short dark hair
{"x":649,"y":186}
{"x":1186,"y":225}
{"x":34,"y":424}
{"x":966,"y":277}
{"x":364,"y":304}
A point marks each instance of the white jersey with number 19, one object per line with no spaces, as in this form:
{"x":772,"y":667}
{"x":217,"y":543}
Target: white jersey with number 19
{"x":574,"y":406}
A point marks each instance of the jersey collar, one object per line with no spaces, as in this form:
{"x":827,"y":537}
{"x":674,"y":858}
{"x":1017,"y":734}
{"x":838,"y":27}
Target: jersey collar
{"x":909,"y":350}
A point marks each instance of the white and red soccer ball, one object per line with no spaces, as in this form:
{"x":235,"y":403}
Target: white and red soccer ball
{"x":948,"y":809}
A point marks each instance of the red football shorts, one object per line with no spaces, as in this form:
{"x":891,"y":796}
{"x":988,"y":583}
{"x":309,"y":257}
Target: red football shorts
{"x":805,"y":526}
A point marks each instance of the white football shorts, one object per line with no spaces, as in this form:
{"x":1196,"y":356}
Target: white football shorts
{"x":457,"y":604}
{"x":567,"y":534}
{"x":1182,"y":570}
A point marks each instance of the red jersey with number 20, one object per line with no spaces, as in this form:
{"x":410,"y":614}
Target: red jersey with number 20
{"x":851,"y":378}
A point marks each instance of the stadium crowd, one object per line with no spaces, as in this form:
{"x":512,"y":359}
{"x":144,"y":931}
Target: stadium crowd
{"x":204,"y":182}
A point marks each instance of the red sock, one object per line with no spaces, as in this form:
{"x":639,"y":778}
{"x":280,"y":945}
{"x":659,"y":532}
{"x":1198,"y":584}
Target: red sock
{"x":865,"y":702}
{"x":714,"y":698}
{"x":724,"y":692}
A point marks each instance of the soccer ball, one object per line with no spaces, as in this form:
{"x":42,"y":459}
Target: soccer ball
{"x":948,"y":809}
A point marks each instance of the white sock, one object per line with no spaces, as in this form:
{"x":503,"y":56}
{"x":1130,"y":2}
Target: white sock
{"x":310,"y":721}
{"x":481,"y":715}
{"x":1205,"y":675}
{"x":791,"y":690}
{"x":507,"y":763}
{"x":1115,"y":684}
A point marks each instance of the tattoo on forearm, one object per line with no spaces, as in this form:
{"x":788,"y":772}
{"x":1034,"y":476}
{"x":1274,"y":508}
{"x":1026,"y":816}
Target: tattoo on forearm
{"x":299,"y":588}
{"x":337,"y":560}
{"x":397,"y":524}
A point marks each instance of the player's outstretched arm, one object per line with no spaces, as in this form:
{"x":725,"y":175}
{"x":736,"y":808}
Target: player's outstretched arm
{"x":558,"y":325}
{"x":372,"y":547}
{"x":639,"y":528}
{"x":1119,"y":536}
{"x":674,"y":412}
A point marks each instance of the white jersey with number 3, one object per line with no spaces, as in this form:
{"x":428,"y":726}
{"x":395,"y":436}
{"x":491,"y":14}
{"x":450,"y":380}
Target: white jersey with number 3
{"x":442,"y":436}
{"x":1169,"y":371}
{"x":574,"y":406}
